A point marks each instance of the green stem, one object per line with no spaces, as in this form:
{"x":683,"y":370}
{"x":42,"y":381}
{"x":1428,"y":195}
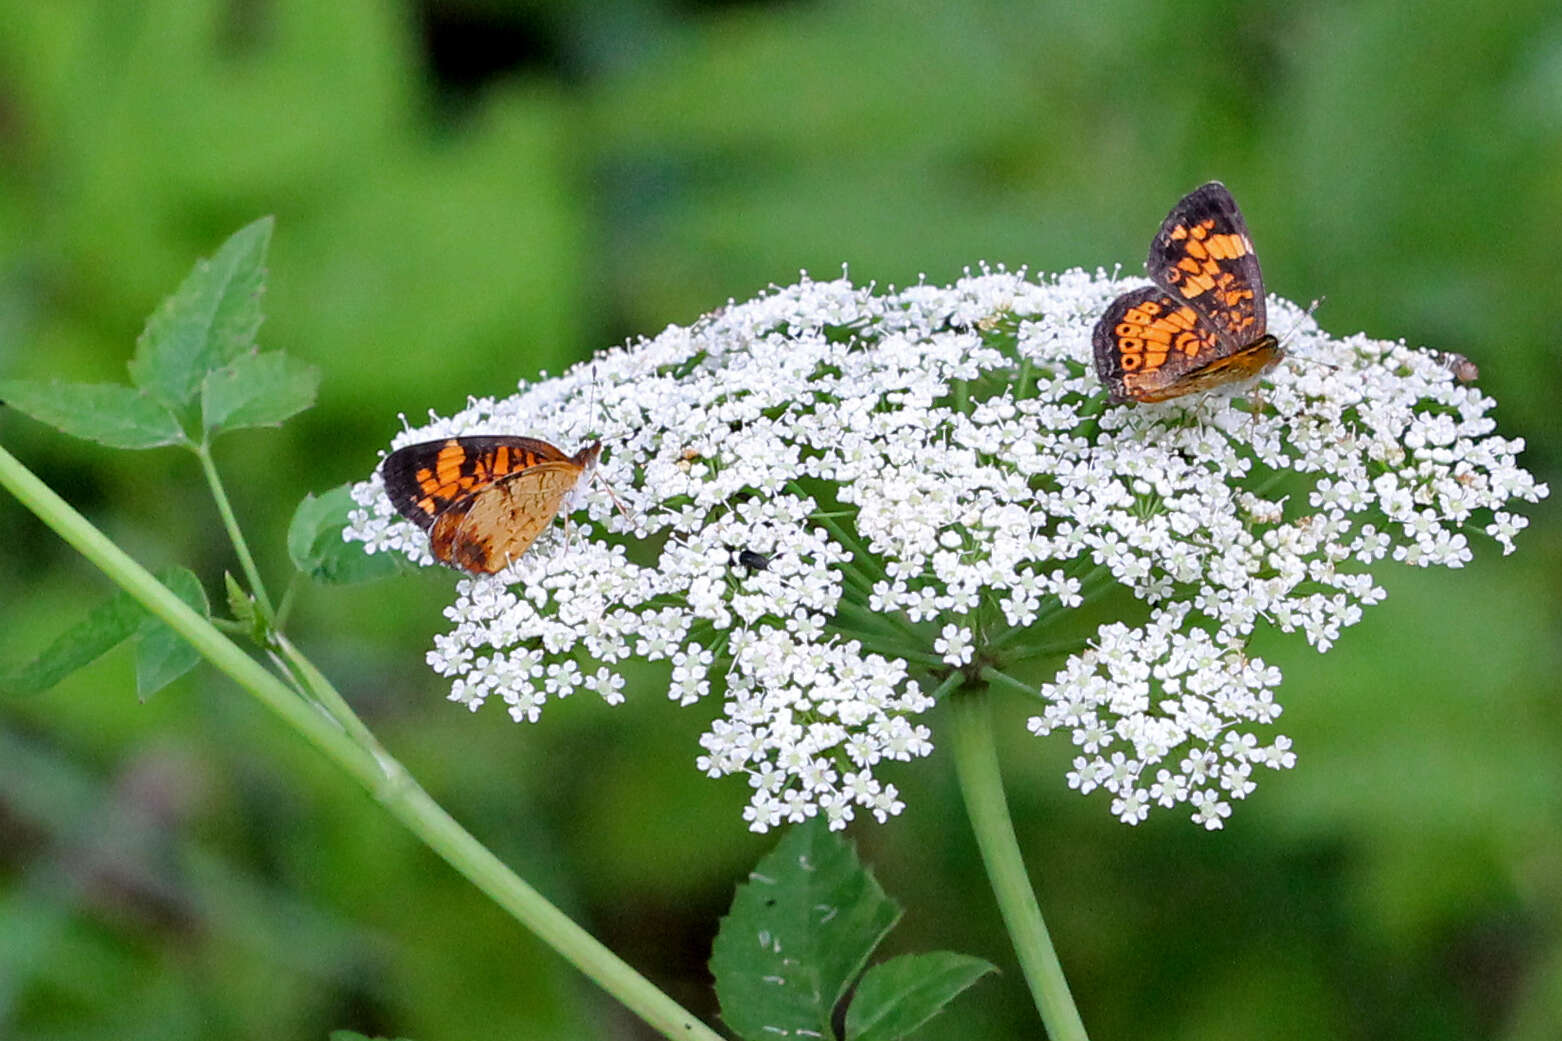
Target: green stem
{"x":1003,"y":679}
{"x":203,"y":452}
{"x":860,"y":556}
{"x":856,"y":579}
{"x":1053,"y":606}
{"x":1056,"y":649}
{"x":327,"y":696}
{"x":891,"y":624}
{"x":377,"y":772}
{"x":892,"y":649}
{"x":976,"y":764}
{"x":1022,"y":381}
{"x":286,"y":606}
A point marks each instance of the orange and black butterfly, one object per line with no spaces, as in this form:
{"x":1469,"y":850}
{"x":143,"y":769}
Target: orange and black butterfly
{"x":1202,"y":324}
{"x":483,"y":500}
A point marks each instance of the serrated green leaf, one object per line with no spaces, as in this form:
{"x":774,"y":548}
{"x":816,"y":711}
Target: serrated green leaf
{"x":315,"y":544}
{"x":899,"y":995}
{"x":104,"y":627}
{"x":108,"y":413}
{"x":162,"y":655}
{"x":800,"y":930}
{"x":257,"y":390}
{"x":210,"y":320}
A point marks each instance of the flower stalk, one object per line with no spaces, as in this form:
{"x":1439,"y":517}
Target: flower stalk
{"x":230,"y":521}
{"x":981,"y":785}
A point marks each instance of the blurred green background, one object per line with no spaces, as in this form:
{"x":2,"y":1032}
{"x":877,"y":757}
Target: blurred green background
{"x":469,"y":191}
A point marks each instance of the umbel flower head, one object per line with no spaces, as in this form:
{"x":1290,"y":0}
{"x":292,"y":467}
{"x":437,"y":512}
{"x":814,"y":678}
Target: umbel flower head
{"x":839,"y":503}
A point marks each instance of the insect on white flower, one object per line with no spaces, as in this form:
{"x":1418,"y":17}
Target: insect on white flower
{"x":841,"y":498}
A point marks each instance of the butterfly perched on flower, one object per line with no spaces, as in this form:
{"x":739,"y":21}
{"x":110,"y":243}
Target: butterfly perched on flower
{"x":483,"y":500}
{"x":1202,"y":323}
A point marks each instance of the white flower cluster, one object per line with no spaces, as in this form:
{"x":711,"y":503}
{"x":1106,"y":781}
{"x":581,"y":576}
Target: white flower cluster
{"x":839,"y":498}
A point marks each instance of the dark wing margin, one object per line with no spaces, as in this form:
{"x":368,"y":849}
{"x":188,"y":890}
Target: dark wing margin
{"x":424,"y":479}
{"x":1148,"y":341}
{"x":1204,"y":255}
{"x":400,"y":474}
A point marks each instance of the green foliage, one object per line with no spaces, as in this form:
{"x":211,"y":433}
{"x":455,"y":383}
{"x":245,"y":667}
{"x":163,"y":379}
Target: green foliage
{"x":108,"y":413}
{"x":899,"y":995}
{"x":103,"y":629}
{"x":314,"y":542}
{"x":162,"y":656}
{"x":257,"y":390}
{"x":210,"y":321}
{"x":798,"y":935}
{"x":200,"y":341}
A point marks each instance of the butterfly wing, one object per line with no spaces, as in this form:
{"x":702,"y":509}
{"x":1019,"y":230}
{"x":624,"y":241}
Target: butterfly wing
{"x":1203,"y":256}
{"x":423,"y":480}
{"x":1146,"y":344}
{"x":494,"y":525}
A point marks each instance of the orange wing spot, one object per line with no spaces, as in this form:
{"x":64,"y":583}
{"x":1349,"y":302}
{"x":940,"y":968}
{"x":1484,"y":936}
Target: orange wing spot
{"x":1189,"y":343}
{"x":1229,"y":247}
{"x":1195,"y":278}
{"x":447,"y":466}
{"x":1139,"y":334}
{"x":1234,"y":298}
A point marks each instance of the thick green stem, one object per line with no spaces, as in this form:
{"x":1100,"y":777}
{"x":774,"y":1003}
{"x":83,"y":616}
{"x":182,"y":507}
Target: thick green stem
{"x":327,"y":696}
{"x":976,"y":763}
{"x":381,"y":775}
{"x":257,"y":589}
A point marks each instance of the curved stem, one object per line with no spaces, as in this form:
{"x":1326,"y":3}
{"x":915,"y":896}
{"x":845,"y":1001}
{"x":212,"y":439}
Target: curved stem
{"x":976,"y":764}
{"x":203,"y":452}
{"x":1002,"y":679}
{"x":370,"y":766}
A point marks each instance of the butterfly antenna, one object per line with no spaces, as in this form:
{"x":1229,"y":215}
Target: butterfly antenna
{"x":1292,"y":331}
{"x":596,"y":470}
{"x":591,"y":398}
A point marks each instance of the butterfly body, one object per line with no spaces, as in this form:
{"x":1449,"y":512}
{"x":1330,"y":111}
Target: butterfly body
{"x":1202,"y":324}
{"x":483,"y":500}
